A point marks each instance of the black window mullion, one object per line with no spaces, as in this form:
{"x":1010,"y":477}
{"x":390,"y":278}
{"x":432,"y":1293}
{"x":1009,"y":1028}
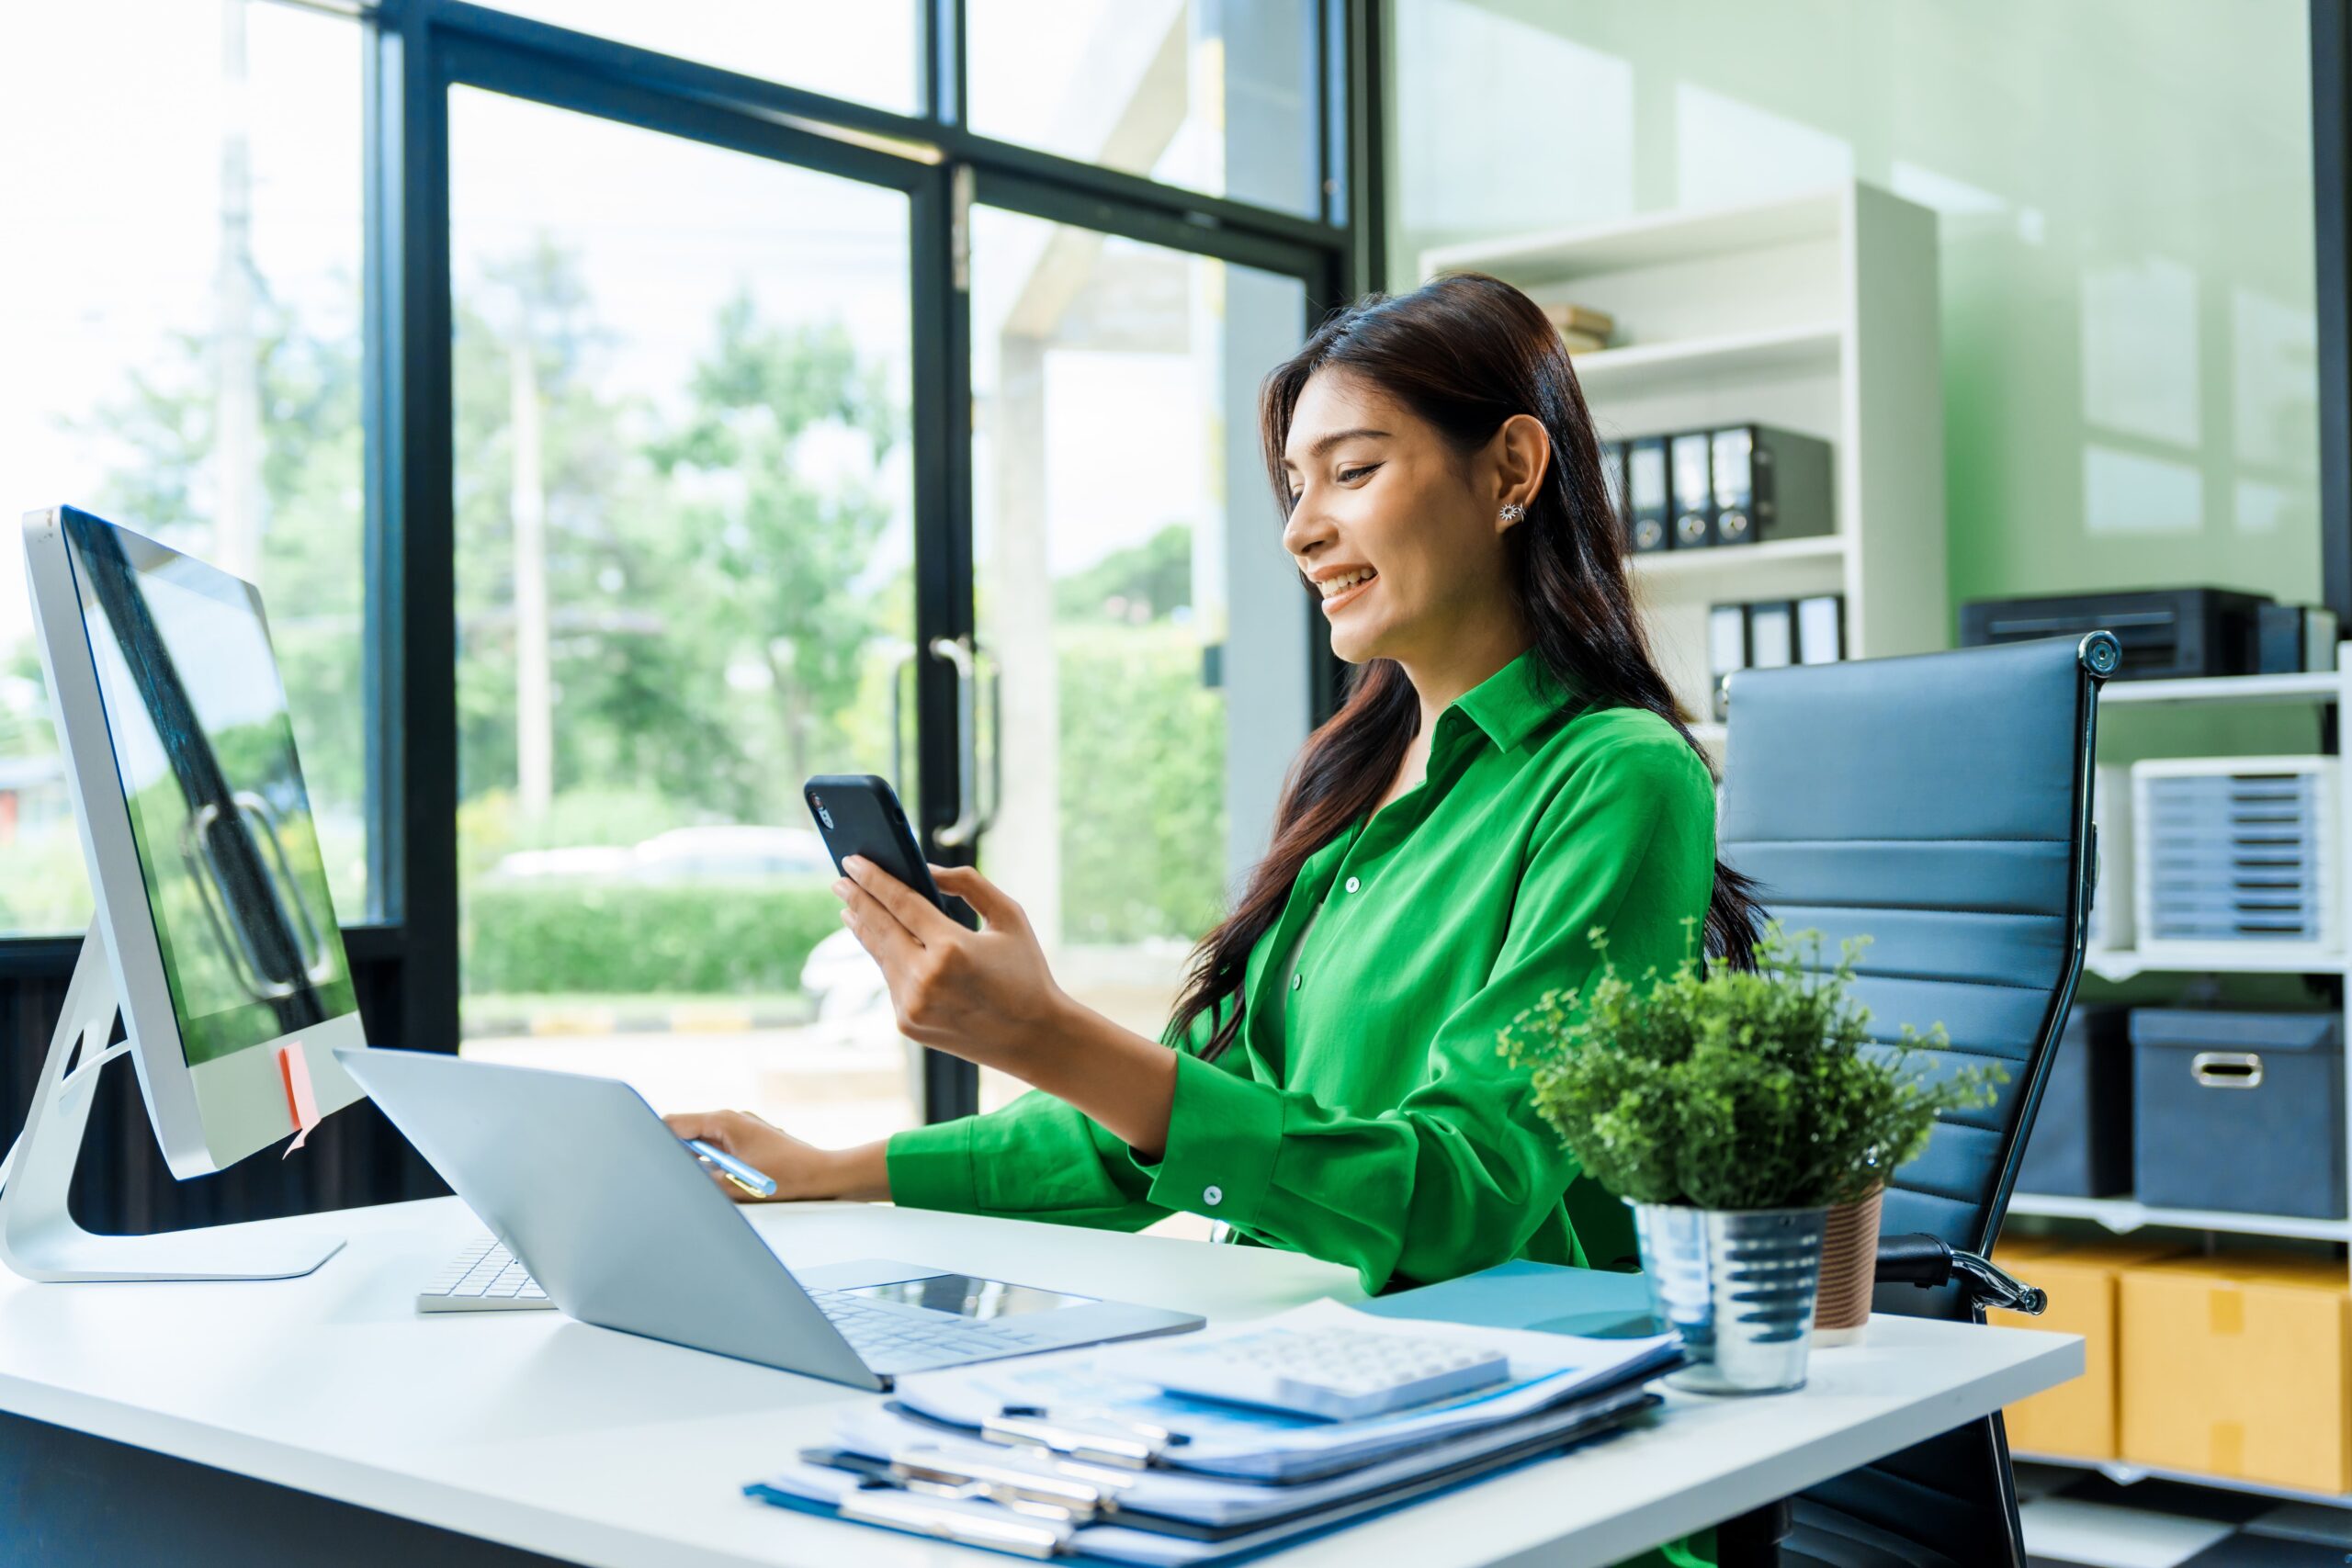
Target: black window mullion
{"x":943,"y":567}
{"x":419,"y":599}
{"x":944,"y":62}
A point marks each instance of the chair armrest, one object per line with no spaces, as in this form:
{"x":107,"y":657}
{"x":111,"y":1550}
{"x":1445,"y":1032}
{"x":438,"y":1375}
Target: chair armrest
{"x":1924,"y":1260}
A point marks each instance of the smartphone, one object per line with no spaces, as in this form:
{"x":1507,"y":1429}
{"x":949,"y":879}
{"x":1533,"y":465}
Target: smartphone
{"x":859,"y":814}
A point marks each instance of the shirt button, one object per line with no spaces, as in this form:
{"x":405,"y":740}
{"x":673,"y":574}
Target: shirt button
{"x":1355,"y":882}
{"x":1296,"y":981}
{"x":1213,"y":1196}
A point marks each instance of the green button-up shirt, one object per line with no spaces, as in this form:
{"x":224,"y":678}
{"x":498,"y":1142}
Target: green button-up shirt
{"x":1366,"y":1115}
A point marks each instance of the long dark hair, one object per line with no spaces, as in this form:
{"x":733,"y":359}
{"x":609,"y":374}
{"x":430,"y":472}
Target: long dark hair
{"x":1465,"y":352}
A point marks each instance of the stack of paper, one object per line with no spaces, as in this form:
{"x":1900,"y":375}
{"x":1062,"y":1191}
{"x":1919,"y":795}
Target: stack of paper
{"x":1067,"y":1454}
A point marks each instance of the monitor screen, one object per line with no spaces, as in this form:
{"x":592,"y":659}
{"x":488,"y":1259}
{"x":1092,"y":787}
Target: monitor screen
{"x":205,"y":751}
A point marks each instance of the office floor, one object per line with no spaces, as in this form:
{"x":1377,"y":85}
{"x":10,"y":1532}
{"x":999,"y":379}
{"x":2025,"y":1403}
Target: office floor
{"x":2076,"y":1520}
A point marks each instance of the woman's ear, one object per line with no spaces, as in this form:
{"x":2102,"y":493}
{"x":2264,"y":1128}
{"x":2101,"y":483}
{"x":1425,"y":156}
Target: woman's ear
{"x":1521,"y":453}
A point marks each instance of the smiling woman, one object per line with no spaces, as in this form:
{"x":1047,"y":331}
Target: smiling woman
{"x":1506,"y":773}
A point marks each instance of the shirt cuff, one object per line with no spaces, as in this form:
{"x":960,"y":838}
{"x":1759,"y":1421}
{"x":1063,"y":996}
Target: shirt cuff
{"x":931,"y":1168}
{"x":1223,"y":1133}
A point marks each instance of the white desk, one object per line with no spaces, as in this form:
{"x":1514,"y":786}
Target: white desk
{"x":530,"y":1430}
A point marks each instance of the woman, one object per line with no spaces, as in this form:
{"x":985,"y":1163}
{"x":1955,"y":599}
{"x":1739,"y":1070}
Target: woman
{"x":1506,"y":773}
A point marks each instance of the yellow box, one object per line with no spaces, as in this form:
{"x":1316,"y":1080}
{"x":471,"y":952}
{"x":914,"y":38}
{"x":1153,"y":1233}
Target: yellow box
{"x":2236,"y":1365}
{"x":2076,"y":1419}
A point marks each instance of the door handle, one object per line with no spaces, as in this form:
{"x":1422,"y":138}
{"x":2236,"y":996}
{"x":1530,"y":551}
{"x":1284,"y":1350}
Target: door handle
{"x":957,"y":651}
{"x":996,"y":736}
{"x":900,"y":662}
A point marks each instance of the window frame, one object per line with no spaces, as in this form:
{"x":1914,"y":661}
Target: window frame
{"x":417,"y":51}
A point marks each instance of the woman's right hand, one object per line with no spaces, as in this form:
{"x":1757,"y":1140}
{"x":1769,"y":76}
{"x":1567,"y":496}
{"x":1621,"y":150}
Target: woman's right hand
{"x":801,"y":1171}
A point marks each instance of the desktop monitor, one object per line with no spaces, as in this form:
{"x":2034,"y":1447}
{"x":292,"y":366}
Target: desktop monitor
{"x":211,"y":892}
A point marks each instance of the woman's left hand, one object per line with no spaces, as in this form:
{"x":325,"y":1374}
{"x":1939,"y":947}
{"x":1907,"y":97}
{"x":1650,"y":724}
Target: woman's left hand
{"x":985,"y":996}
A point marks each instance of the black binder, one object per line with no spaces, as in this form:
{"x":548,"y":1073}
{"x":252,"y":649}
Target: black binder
{"x":1772,"y":633}
{"x":1694,"y":492}
{"x":1727,"y":652}
{"x":1613,"y":479}
{"x":1772,"y":484}
{"x":1645,"y":493}
{"x":1821,"y":628}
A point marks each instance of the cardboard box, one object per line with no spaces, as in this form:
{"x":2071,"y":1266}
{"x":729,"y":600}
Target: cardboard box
{"x":2076,"y":1419}
{"x":2236,"y":1365}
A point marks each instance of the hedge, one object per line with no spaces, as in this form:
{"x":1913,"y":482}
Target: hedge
{"x":720,"y":938}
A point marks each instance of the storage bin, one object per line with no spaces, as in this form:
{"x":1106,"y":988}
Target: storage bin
{"x":2081,"y":1143}
{"x":2238,"y":1110}
{"x":2078,"y":1419}
{"x":2234,"y":1366}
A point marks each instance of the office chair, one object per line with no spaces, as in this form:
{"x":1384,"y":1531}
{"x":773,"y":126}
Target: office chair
{"x":1941,"y":806}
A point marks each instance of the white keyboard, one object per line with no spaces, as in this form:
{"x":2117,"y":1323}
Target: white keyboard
{"x":1340,"y":1374}
{"x":483,"y":1277}
{"x":889,"y":1336}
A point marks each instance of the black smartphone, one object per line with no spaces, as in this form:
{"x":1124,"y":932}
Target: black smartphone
{"x":859,"y":814}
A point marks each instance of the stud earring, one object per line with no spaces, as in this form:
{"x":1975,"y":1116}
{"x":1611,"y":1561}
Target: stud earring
{"x":1513,"y":512}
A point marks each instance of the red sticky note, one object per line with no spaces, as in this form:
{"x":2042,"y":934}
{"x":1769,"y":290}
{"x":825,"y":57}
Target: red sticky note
{"x":296,"y":1069}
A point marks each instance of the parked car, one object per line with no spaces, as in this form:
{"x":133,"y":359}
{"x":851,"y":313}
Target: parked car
{"x":681,"y":854}
{"x":686,"y":853}
{"x":841,"y":977}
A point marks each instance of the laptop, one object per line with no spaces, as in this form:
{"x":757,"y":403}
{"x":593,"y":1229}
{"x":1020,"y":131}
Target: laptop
{"x":622,"y":1226}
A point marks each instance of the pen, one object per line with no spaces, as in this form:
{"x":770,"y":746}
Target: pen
{"x":743,"y":1176}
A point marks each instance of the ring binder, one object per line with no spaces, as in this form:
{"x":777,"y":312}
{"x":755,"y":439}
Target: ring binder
{"x":1094,"y":1440}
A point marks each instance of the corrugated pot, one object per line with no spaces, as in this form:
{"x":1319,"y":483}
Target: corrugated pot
{"x":1849,"y":1270}
{"x":1739,"y":1287}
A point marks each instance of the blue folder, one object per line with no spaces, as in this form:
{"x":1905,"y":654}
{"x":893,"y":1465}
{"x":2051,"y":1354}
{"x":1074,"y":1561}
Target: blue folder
{"x":1541,"y":1296}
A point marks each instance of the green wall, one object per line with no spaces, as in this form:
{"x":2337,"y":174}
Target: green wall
{"x":2130,"y":375}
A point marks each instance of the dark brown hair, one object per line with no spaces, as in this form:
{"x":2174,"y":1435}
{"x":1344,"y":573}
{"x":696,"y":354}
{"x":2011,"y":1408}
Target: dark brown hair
{"x":1465,"y":352}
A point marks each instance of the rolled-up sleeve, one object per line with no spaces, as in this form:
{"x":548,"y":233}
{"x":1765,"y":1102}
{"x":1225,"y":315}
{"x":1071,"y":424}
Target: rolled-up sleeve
{"x":1460,"y":1175}
{"x":1038,"y":1158}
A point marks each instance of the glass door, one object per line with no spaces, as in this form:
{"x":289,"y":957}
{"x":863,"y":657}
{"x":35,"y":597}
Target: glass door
{"x":1145,"y":637}
{"x":686,"y":542}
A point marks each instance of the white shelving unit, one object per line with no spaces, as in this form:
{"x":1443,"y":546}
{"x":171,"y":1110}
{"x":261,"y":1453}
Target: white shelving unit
{"x":2121,"y":1215}
{"x":1817,"y":314}
{"x":2124,"y":1215}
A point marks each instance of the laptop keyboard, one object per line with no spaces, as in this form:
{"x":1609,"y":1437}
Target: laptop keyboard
{"x":889,"y":1338}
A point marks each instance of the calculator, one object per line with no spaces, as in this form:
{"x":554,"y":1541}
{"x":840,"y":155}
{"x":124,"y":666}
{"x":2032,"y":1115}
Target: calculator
{"x":1338,"y":1374}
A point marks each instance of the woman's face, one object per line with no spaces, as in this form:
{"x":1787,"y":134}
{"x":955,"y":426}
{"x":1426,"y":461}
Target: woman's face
{"x":1397,"y":530}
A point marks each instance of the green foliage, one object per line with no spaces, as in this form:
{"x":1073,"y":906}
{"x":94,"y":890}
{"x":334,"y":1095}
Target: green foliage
{"x":727,"y":938}
{"x":158,"y":435}
{"x":1733,"y":1089}
{"x":1142,"y":784}
{"x":1142,"y":583}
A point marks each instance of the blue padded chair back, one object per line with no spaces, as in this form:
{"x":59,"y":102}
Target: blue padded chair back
{"x":1941,"y":806}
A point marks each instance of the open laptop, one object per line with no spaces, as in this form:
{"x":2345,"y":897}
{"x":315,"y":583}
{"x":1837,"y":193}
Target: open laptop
{"x":620,"y":1225}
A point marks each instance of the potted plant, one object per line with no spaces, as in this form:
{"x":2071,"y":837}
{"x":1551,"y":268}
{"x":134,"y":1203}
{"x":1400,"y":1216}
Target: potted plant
{"x":1733,"y":1109}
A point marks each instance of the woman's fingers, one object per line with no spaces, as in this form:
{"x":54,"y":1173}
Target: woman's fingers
{"x":875,"y":927}
{"x":994,"y":904}
{"x":909,"y":909}
{"x":710,"y":1126}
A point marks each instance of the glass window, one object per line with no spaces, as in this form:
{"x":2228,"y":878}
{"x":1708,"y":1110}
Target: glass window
{"x":1216,"y":95}
{"x":868,"y":54}
{"x":181,"y":331}
{"x":1128,"y":554}
{"x":684,"y":564}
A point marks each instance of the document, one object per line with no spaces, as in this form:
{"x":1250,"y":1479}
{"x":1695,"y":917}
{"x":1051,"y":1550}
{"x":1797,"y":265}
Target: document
{"x":1087,"y":1388}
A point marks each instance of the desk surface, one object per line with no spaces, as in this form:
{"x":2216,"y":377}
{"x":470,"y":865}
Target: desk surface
{"x":538,"y":1432}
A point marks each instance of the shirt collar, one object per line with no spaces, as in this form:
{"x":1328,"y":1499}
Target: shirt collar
{"x":1512,"y":704}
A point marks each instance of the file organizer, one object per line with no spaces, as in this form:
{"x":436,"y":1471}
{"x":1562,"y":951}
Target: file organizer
{"x":2237,"y":852}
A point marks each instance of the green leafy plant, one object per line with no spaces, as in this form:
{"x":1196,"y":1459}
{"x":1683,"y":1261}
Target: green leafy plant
{"x":1735,"y":1089}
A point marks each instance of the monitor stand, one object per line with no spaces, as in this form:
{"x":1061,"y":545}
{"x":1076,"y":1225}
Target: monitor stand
{"x":39,"y":1238}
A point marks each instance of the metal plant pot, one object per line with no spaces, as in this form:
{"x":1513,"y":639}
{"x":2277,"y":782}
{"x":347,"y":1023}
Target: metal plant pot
{"x":1739,"y":1287}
